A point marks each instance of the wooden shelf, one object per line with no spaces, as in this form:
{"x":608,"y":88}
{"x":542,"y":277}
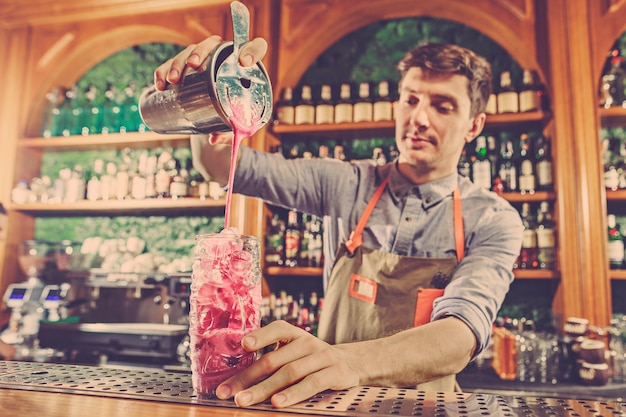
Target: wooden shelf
{"x":299,"y":271}
{"x":617,"y":195}
{"x":386,"y":128}
{"x":535,"y":274}
{"x":152,"y":206}
{"x":529,"y":197}
{"x":110,"y":141}
{"x":617,"y":274}
{"x":317,"y":272}
{"x":613,"y":116}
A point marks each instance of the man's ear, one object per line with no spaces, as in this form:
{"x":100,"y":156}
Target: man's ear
{"x":477,"y":125}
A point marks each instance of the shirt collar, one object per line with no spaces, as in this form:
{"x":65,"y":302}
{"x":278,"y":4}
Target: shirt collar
{"x":430,"y":193}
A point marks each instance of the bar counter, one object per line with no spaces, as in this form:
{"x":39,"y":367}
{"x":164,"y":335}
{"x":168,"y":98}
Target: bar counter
{"x":56,"y":390}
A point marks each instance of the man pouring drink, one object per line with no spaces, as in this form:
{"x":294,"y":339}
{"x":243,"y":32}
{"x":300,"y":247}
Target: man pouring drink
{"x":420,"y":258}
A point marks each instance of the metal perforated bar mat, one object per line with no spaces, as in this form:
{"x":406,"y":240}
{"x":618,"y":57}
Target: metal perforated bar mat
{"x":156,"y":385}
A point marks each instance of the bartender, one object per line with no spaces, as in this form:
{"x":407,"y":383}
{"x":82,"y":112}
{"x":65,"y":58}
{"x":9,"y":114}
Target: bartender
{"x":420,"y":258}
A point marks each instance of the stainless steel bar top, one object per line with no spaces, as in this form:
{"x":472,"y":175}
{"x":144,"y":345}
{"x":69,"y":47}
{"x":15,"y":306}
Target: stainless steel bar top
{"x":171,"y":387}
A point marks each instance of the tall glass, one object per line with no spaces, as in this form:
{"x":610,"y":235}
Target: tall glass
{"x":225,"y":304}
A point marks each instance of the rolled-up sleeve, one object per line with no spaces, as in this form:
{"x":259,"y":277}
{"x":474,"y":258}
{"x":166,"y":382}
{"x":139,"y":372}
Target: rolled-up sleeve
{"x":482,"y":279}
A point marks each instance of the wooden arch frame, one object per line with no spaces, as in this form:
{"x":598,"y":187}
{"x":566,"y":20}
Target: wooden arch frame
{"x":507,"y":22}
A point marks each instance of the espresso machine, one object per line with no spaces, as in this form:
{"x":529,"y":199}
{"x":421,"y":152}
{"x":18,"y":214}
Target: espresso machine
{"x":33,"y":300}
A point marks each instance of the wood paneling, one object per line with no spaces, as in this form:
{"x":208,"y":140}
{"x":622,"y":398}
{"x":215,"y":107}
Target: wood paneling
{"x":308,"y":27}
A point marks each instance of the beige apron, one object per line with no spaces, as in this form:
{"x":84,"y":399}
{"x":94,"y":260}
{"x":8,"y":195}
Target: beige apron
{"x":373,"y":294}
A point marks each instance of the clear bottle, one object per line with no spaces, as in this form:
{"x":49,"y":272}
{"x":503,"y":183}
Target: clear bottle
{"x":546,"y":237}
{"x":531,"y":93}
{"x":528,"y":254}
{"x":379,"y":156}
{"x":285,"y":111}
{"x":344,"y":109}
{"x":94,"y":186}
{"x":615,"y":243}
{"x":304,"y":108}
{"x":338,"y":153}
{"x":382,"y":109}
{"x":508,"y":101}
{"x":108,"y":181}
{"x":481,"y":166}
{"x":75,"y":186}
{"x":363,"y":106}
{"x":527,"y":182}
{"x":325,"y":108}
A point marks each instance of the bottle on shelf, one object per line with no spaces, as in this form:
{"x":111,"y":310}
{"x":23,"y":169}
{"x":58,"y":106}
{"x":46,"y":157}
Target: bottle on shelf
{"x":338,"y":153}
{"x":508,"y":101}
{"x":382,"y":110}
{"x":275,"y":241}
{"x":493,"y":155}
{"x":343,"y":108}
{"x":464,"y":166}
{"x":316,"y":257}
{"x":507,"y":170}
{"x":285,"y":110}
{"x":108,"y":181}
{"x":363,"y":106}
{"x":531,"y":93}
{"x":304,"y":109}
{"x":546,"y":237}
{"x":92,"y":122}
{"x":72,"y":113}
{"x":481,"y":165}
{"x":131,"y":120}
{"x":526,"y":166}
{"x":528,"y":254}
{"x":325,"y":108}
{"x":305,"y":240}
{"x":292,"y":239}
{"x":75,"y":190}
{"x":379,"y":156}
{"x":111,"y":111}
{"x":51,"y":119}
{"x":492,"y":103}
{"x":613,"y":82}
{"x":543,"y":164}
{"x":612,"y":163}
{"x":94,"y":189}
{"x":615,"y":244}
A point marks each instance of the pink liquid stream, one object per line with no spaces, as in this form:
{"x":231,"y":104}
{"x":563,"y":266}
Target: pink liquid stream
{"x":244,"y":126}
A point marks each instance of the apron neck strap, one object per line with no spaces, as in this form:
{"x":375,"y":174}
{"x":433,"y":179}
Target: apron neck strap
{"x":356,"y":237}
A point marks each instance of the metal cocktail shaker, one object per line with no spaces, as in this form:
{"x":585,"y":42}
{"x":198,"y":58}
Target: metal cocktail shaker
{"x":200,"y":102}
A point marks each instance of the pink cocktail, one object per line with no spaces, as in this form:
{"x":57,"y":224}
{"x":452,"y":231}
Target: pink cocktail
{"x":225,"y":304}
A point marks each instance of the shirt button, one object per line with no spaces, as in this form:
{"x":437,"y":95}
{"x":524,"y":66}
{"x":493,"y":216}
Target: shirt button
{"x":427,"y":201}
{"x":408,"y":219}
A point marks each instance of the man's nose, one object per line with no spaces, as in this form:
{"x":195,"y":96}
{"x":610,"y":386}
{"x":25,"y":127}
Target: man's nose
{"x":419,"y":116}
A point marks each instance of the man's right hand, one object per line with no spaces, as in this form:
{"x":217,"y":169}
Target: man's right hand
{"x":195,"y":55}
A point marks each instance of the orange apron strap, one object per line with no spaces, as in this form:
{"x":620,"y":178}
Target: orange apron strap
{"x":356,"y":237}
{"x":459,"y":230}
{"x":427,"y":296}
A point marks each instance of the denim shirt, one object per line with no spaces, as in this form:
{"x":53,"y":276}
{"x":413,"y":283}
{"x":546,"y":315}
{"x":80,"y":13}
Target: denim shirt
{"x":409,"y":220}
